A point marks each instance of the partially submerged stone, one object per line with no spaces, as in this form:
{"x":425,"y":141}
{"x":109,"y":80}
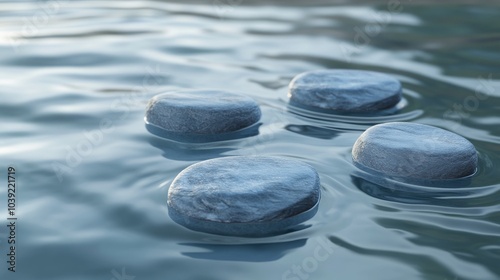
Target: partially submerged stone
{"x":200,"y":115}
{"x":344,"y":91}
{"x":414,"y":151}
{"x":244,"y":195}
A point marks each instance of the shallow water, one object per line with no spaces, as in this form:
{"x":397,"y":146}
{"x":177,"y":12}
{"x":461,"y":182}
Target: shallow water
{"x":92,"y":182}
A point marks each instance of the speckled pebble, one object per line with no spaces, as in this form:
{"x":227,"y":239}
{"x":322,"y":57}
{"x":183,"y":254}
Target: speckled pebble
{"x":416,"y":151}
{"x":344,"y":91}
{"x":244,"y":195}
{"x":200,"y":113}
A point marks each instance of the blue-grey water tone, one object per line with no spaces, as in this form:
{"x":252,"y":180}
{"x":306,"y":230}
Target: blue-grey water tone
{"x":92,"y":181}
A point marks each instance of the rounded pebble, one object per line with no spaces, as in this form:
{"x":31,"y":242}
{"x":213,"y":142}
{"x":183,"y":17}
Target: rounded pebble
{"x":415,"y":151}
{"x":344,"y":91}
{"x":200,"y":113}
{"x":244,"y":195}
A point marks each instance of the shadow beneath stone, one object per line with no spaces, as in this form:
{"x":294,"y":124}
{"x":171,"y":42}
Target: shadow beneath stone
{"x":186,"y":152}
{"x":249,"y":131}
{"x":313,"y":131}
{"x":438,"y":192}
{"x":349,"y":121}
{"x":244,"y":253}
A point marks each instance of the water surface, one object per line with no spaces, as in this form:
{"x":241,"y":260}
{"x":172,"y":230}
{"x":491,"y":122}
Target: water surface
{"x":92,"y":182}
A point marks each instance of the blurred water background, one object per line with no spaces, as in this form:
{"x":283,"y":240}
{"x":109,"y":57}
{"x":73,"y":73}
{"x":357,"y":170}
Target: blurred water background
{"x":92,"y":182}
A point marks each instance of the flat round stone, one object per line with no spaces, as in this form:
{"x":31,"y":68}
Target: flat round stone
{"x":244,"y":195}
{"x":415,"y":151}
{"x":201,"y":112}
{"x":349,"y":91}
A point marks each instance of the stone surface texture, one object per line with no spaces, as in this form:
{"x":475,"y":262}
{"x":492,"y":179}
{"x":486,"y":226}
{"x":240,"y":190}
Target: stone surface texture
{"x":202,"y":112}
{"x":353,"y":91}
{"x":411,"y":150}
{"x":225,"y":194}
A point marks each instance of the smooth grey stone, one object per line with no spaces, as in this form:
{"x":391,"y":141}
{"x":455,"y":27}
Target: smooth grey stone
{"x":244,"y":195}
{"x":200,"y":113}
{"x":344,"y":91}
{"x":418,"y":151}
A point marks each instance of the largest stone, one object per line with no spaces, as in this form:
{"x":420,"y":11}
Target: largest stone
{"x":244,"y":196}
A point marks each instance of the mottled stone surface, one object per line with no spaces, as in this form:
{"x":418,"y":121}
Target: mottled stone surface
{"x":349,"y":91}
{"x":410,"y":150}
{"x":244,"y":196}
{"x":202,"y":112}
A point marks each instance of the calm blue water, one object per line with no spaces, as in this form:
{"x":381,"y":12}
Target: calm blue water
{"x":92,"y":183}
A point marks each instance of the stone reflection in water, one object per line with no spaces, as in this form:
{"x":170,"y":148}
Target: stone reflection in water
{"x":444,"y":192}
{"x":262,"y":252}
{"x":313,"y":131}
